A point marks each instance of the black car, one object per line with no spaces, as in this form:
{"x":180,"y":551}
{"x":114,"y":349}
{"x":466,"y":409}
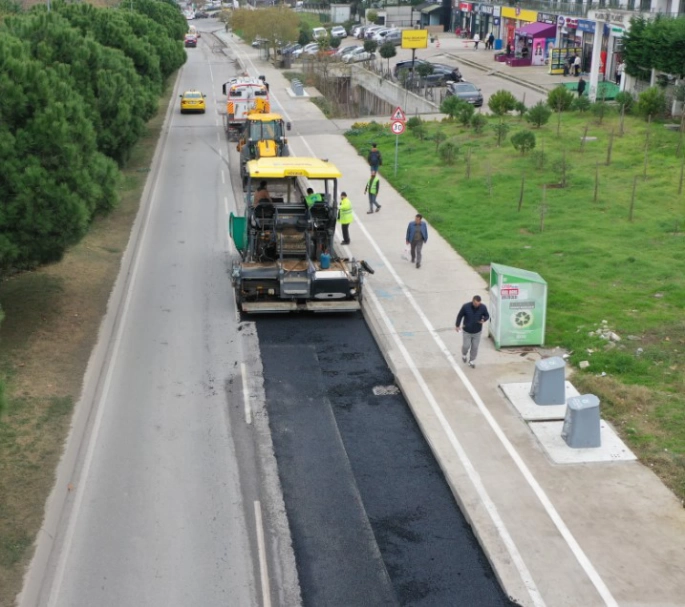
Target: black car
{"x":201,"y":15}
{"x":466,"y":92}
{"x":441,"y":74}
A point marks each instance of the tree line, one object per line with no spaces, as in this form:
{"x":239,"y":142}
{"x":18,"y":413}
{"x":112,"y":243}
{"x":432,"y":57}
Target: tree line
{"x":77,"y":86}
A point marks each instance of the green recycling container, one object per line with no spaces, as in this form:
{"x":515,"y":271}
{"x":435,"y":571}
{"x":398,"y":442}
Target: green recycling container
{"x":518,"y":306}
{"x":237,"y":228}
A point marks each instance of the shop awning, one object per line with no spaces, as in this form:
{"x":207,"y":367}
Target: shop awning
{"x":431,"y":8}
{"x":537,"y":30}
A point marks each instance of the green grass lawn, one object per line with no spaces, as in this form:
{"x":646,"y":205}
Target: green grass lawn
{"x":599,"y":264}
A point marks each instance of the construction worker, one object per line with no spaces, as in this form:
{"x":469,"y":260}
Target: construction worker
{"x":312,"y":198}
{"x":345,"y":216}
{"x":262,"y":194}
{"x":372,"y":187}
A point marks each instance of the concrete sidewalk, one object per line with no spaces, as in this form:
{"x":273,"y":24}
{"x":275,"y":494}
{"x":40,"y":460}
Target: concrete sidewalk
{"x":536,"y":78}
{"x":574,"y":535}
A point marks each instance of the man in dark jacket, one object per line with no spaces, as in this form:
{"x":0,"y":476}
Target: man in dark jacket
{"x":474,"y":315}
{"x":581,"y":87}
{"x":417,"y":234}
{"x":375,"y":159}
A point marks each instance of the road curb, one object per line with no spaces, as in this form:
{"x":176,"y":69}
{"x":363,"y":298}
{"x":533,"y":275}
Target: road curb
{"x":487,"y":537}
{"x":56,"y":506}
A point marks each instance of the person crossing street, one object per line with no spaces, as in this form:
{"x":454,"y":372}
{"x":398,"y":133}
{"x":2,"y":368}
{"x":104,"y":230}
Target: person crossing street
{"x":372,"y":187}
{"x":345,"y":217}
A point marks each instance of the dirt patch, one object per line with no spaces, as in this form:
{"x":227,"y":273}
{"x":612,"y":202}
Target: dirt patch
{"x":52,"y":317}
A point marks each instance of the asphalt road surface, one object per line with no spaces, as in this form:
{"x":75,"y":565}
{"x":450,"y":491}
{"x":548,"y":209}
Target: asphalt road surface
{"x":159,"y":515}
{"x":372,"y":517}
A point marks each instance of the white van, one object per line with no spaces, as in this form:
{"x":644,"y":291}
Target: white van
{"x":318,"y":33}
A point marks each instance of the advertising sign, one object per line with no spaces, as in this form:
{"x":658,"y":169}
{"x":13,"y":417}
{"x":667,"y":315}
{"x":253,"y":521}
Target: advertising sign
{"x":518,"y":306}
{"x":559,"y":57}
{"x":414,"y":38}
{"x":547,"y":18}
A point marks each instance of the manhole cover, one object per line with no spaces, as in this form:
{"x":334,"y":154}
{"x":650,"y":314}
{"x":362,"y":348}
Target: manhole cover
{"x":385,"y":390}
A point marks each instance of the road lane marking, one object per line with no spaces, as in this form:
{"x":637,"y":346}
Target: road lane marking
{"x":261,"y":547}
{"x":223,"y":177}
{"x":246,"y":394}
{"x":55,"y":590}
{"x":551,"y":511}
{"x":466,"y":463}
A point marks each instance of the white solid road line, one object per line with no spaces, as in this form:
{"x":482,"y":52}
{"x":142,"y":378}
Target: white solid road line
{"x":565,"y":532}
{"x":223,"y":177}
{"x":246,"y":394}
{"x":261,"y":547}
{"x":554,"y":515}
{"x":56,"y":587}
{"x":472,"y":473}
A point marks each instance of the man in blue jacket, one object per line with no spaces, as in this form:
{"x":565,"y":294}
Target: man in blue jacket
{"x":417,"y":234}
{"x":474,"y":315}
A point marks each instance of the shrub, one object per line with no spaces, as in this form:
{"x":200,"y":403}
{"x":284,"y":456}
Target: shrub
{"x":599,"y":109}
{"x":466,"y":112}
{"x":334,"y":42}
{"x":371,"y":16}
{"x":501,"y":129}
{"x":370,"y":46}
{"x":448,"y":151}
{"x":560,"y":99}
{"x":651,"y":103}
{"x":523,"y":141}
{"x":439,"y":137}
{"x":478,"y":122}
{"x":539,"y":114}
{"x":502,"y":102}
{"x":521,"y":108}
{"x":626,"y":100}
{"x":417,"y":127}
{"x":450,"y":106}
{"x":581,"y":104}
{"x":413,"y":122}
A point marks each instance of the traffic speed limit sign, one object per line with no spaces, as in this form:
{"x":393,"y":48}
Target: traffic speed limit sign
{"x":397,"y":127}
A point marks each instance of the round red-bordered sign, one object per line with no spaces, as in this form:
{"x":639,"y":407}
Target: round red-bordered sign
{"x":397,"y":127}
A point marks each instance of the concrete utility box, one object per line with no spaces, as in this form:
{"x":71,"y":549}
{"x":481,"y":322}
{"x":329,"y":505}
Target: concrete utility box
{"x":549,"y":382}
{"x":518,"y":306}
{"x":581,"y":424}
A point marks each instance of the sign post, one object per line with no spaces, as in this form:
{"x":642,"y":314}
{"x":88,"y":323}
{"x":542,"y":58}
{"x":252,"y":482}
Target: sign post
{"x":397,"y":126}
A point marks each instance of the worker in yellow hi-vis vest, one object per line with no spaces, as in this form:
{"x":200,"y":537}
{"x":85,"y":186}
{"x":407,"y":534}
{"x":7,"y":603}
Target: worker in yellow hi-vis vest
{"x":345,"y":216}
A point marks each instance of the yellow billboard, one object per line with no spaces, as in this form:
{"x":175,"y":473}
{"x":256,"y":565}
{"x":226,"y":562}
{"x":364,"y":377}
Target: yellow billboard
{"x":414,"y":38}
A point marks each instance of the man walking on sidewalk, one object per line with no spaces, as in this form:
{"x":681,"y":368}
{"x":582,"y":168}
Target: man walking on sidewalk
{"x":474,"y":315}
{"x":345,"y":216}
{"x":372,"y":187}
{"x":417,"y":234}
{"x":375,"y":158}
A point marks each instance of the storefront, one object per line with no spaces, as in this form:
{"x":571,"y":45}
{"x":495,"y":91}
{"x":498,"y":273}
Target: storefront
{"x":534,"y":43}
{"x":512,"y":19}
{"x":463,"y":18}
{"x":586,"y":29}
{"x":616,"y":26}
{"x":483,"y":16}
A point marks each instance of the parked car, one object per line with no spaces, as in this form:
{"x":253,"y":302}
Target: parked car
{"x":344,"y":50}
{"x":379,"y":35}
{"x":465,"y":91}
{"x":319,"y":33}
{"x":338,"y":31}
{"x":442,"y":74}
{"x":289,"y":49}
{"x":353,"y":27}
{"x":394,"y":37}
{"x":201,"y":15}
{"x":357,"y":55}
{"x":311,"y":49}
{"x":358,"y":31}
{"x":371,"y":30}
